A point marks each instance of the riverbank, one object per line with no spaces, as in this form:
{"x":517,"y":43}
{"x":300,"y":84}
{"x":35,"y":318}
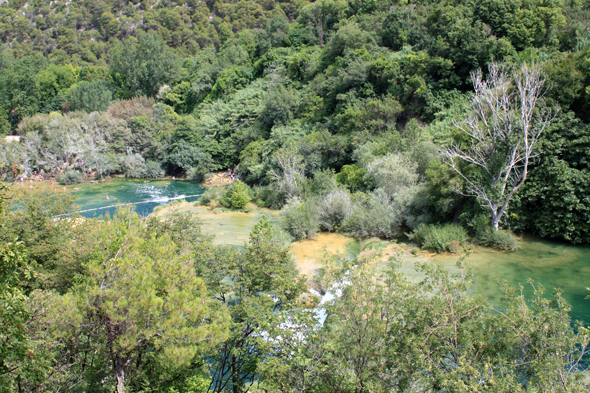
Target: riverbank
{"x":233,"y":228}
{"x":551,"y":264}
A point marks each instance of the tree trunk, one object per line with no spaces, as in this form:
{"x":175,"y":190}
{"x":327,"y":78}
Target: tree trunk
{"x":495,"y":221}
{"x":120,"y":381}
{"x":236,"y":388}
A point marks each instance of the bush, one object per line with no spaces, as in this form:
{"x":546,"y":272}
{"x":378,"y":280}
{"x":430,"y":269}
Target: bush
{"x":240,"y":197}
{"x":136,"y":167}
{"x":323,"y":183}
{"x":152,"y":169}
{"x":211,"y":194}
{"x":392,"y":172}
{"x":487,"y":236}
{"x":299,"y":219}
{"x":90,"y":96}
{"x":448,"y":237}
{"x":195,"y":174}
{"x":69,"y":177}
{"x":334,"y":209}
{"x":500,"y":239}
{"x":269,"y":197}
{"x":236,"y":196}
{"x":415,"y":251}
{"x":352,"y":176}
{"x":134,"y":107}
{"x":374,"y":216}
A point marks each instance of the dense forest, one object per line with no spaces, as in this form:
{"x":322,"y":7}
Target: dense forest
{"x":333,"y":88}
{"x":373,"y":118}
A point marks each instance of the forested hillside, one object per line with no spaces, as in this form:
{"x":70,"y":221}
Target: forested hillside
{"x":340,"y":89}
{"x":443,"y":123}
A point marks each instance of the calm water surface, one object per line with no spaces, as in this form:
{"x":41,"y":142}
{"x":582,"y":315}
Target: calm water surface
{"x":551,"y":264}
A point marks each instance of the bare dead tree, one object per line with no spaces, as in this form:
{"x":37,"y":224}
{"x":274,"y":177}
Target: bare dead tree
{"x":506,"y":117}
{"x":290,"y":171}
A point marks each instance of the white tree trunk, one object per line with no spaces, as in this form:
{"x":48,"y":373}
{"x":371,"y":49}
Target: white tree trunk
{"x":120,"y":381}
{"x":505,"y":118}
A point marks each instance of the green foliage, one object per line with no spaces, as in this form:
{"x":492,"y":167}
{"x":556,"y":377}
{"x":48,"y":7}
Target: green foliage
{"x":269,"y":197}
{"x":334,"y":209}
{"x":239,"y":196}
{"x":30,"y":218}
{"x":500,"y":239}
{"x":447,"y":237}
{"x":69,"y":177}
{"x":304,"y":99}
{"x":462,"y":337}
{"x":258,"y":286}
{"x":236,"y":196}
{"x":352,"y":176}
{"x":164,"y":319}
{"x":143,"y":66}
{"x":211,"y":194}
{"x":300,"y":219}
{"x":92,"y":96}
{"x":555,"y":201}
{"x":17,"y":358}
{"x":374,"y":216}
{"x":337,"y":84}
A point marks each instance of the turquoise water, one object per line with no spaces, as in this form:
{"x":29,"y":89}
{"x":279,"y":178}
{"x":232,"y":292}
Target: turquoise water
{"x":553,"y":265}
{"x":145,"y":195}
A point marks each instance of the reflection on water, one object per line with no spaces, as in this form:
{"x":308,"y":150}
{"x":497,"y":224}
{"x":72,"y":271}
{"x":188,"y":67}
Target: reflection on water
{"x":553,"y":265}
{"x":95,"y":199}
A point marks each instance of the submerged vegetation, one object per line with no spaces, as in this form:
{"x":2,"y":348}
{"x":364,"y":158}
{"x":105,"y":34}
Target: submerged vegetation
{"x":454,"y":123}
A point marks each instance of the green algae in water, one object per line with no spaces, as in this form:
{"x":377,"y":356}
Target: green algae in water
{"x":550,"y":264}
{"x":144,"y":194}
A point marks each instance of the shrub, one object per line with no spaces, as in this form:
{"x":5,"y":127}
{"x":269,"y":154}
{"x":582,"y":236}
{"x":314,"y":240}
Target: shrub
{"x":211,"y":194}
{"x":299,"y":219}
{"x":500,"y":239}
{"x":152,"y":169}
{"x":322,"y":183}
{"x":239,"y":196}
{"x":69,"y":177}
{"x":334,"y":209}
{"x":448,"y":237}
{"x":373,"y":216}
{"x":455,"y":246}
{"x":90,"y":96}
{"x":195,"y":174}
{"x":236,"y":196}
{"x":352,"y":176}
{"x":415,"y":251}
{"x":134,"y":107}
{"x":392,"y":172}
{"x":269,"y":197}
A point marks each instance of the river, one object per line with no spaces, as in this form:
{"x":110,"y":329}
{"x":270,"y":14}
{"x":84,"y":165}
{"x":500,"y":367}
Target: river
{"x":96,"y":199}
{"x":551,"y":264}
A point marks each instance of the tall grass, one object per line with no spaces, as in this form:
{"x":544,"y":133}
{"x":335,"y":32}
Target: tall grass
{"x":440,"y":238}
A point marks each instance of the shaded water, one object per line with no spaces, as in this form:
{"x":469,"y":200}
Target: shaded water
{"x":550,"y":264}
{"x":145,"y":194}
